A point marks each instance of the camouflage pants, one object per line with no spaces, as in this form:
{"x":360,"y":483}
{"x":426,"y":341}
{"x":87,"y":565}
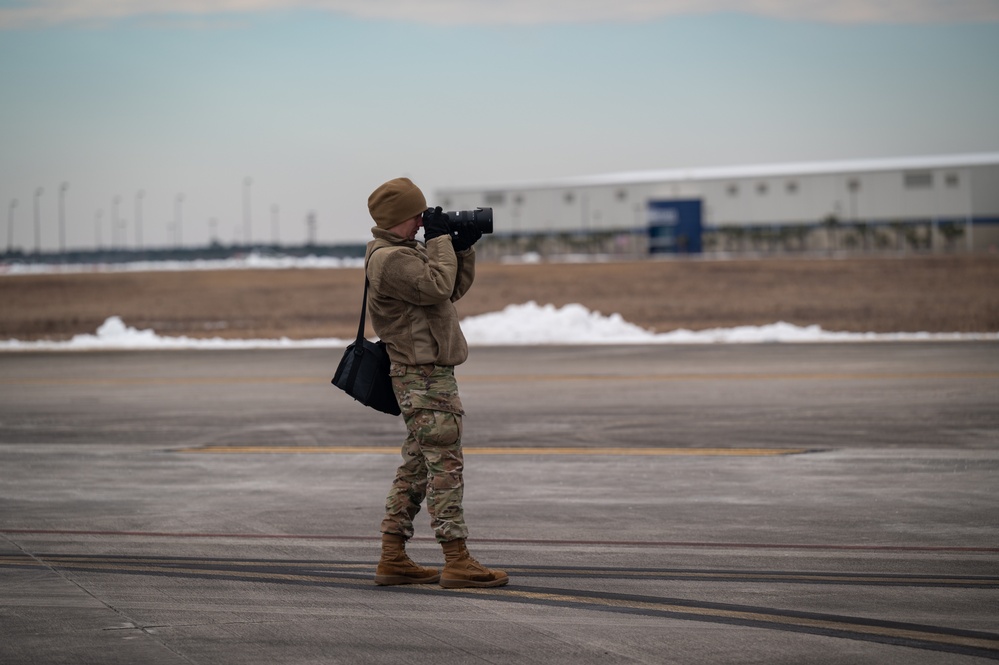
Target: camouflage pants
{"x":428,"y":398}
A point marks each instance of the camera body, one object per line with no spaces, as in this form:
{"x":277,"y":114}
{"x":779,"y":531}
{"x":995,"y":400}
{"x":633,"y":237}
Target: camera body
{"x":480,"y":218}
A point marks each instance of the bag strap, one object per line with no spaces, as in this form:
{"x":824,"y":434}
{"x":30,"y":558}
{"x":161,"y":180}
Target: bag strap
{"x":359,"y":342}
{"x":364,"y":309}
{"x":364,"y":300}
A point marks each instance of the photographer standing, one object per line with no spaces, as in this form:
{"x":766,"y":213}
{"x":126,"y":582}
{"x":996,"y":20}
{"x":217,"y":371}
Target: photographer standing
{"x":410,"y":301}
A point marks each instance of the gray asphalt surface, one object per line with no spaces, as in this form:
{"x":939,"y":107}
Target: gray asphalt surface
{"x":695,"y":504}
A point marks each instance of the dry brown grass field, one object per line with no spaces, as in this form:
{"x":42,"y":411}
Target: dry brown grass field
{"x":954,"y":293}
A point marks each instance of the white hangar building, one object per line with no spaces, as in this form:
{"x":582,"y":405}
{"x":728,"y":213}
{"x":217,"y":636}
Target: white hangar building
{"x":919,"y":203}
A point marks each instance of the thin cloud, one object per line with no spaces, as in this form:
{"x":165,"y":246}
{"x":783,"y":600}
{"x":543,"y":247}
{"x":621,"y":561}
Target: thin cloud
{"x":511,"y":12}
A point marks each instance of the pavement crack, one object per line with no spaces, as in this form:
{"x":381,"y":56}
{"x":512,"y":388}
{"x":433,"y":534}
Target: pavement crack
{"x":127,"y":619}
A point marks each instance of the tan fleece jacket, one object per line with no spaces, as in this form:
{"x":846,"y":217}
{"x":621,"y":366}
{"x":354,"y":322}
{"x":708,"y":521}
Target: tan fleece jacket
{"x":412,"y":288}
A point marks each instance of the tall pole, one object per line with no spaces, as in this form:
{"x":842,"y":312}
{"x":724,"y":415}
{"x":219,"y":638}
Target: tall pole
{"x":247,"y":181}
{"x":114,"y":222}
{"x":10,"y":225}
{"x":62,"y":216}
{"x":138,"y":218}
{"x":98,"y":239}
{"x":274,"y":224}
{"x":177,"y":217}
{"x":38,"y":222}
{"x":310,"y":222}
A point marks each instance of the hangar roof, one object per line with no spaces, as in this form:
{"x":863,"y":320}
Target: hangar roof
{"x":752,"y":171}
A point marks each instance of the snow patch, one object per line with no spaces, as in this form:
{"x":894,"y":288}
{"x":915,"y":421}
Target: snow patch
{"x":526,"y":324}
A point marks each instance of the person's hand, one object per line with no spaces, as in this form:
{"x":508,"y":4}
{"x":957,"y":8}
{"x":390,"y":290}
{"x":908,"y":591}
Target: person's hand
{"x":434,"y":223}
{"x":467,"y":235}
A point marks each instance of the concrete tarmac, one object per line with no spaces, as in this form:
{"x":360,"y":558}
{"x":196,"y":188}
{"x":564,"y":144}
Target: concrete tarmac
{"x":826,"y":503}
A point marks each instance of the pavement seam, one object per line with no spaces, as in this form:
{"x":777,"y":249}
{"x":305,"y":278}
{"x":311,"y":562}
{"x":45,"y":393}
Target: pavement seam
{"x":920,"y":636}
{"x":70,"y":580}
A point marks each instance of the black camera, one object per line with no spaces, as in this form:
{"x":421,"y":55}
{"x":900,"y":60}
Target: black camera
{"x":480,"y":218}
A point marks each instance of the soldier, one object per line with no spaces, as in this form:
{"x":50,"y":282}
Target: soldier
{"x":410,"y":301}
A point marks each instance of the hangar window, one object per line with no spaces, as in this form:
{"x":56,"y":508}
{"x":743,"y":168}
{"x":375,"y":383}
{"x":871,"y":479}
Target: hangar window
{"x":569,"y":197}
{"x":622,"y":194}
{"x":518,"y":199}
{"x":918,"y":180}
{"x":494,"y":198}
{"x":761,"y":188}
{"x":733,"y":190}
{"x":792,"y":187}
{"x":952,"y":180}
{"x":853,"y":185}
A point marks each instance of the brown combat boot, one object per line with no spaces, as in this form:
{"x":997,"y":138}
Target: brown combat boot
{"x":396,"y":567}
{"x":461,"y":570}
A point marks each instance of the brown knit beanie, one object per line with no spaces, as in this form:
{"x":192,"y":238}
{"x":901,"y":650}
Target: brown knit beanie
{"x":395,"y":202}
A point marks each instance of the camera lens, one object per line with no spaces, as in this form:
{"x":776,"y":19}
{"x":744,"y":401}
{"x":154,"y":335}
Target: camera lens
{"x":481,"y":218}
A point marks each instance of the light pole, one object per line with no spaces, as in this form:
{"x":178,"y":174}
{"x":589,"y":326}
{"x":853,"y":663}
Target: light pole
{"x":10,"y":225}
{"x":213,"y":225}
{"x":138,"y":218}
{"x":38,"y":222}
{"x":310,"y":223}
{"x":98,"y":239}
{"x":114,"y":222}
{"x":247,"y":181}
{"x":274,"y":225}
{"x":62,"y":216}
{"x":177,"y":213}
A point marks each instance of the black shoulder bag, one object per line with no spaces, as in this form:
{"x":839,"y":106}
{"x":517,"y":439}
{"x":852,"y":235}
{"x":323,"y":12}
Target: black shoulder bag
{"x":363,"y":372}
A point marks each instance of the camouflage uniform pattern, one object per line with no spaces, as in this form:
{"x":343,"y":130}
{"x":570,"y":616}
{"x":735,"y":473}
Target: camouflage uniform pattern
{"x":433,"y":463}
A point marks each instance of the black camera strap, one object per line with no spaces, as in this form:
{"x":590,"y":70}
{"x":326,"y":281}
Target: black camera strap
{"x":359,"y":342}
{"x":364,"y":299}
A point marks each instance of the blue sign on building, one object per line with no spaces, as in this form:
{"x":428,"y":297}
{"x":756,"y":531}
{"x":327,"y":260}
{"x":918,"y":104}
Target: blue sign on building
{"x":675,"y":226}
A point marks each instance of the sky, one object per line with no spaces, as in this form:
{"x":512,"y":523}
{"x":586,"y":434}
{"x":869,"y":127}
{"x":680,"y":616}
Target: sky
{"x":167,"y":110}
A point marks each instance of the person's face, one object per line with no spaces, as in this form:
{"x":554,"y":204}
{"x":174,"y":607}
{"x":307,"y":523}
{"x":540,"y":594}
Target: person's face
{"x":409,"y":228}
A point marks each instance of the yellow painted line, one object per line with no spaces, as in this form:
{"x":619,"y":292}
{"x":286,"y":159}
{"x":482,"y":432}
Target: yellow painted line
{"x":734,"y":376}
{"x":180,"y":564}
{"x":506,"y":378}
{"x":162,"y":380}
{"x":381,"y":450}
{"x":750,"y":576}
{"x":746,"y":615}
